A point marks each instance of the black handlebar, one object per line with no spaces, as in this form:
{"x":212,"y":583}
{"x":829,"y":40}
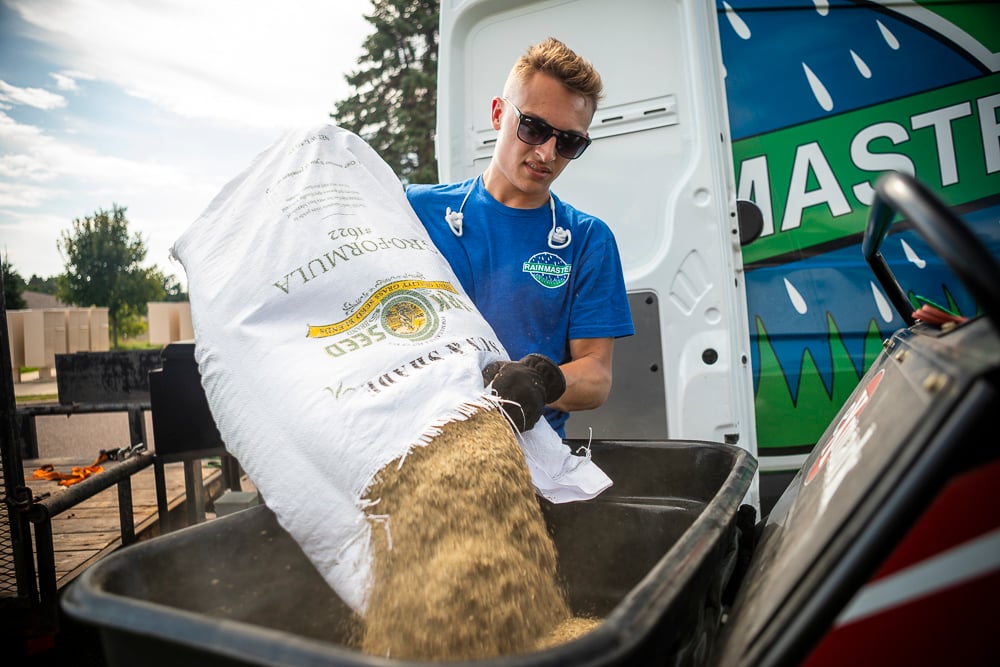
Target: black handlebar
{"x":947,"y":235}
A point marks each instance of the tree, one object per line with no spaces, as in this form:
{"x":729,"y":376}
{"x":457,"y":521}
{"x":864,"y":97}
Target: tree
{"x":395,"y":100}
{"x":173,"y":290}
{"x":43,"y":285}
{"x":13,"y":286}
{"x":104,"y":268}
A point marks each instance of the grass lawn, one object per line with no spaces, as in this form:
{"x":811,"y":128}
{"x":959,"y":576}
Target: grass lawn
{"x":37,"y":398}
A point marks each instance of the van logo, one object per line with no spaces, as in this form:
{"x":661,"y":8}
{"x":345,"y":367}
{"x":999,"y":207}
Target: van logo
{"x":548,"y":270}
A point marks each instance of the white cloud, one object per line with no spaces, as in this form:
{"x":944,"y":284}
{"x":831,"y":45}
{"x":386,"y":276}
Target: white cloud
{"x":222,"y":78}
{"x":32,"y":97}
{"x":22,"y":167}
{"x":67,"y":79}
{"x":19,"y":195}
{"x":261,"y":64}
{"x":11,"y":130}
{"x":64,"y":82}
{"x":46,"y":182}
{"x":31,"y":154}
{"x":29,"y":241}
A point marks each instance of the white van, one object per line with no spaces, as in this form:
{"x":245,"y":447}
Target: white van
{"x":797,"y":105}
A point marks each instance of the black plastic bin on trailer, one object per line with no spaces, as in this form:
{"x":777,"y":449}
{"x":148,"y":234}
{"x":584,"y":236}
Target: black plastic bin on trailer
{"x":239,"y":591}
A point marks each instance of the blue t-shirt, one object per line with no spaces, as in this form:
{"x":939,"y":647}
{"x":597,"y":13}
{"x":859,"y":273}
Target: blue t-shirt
{"x":536,"y":299}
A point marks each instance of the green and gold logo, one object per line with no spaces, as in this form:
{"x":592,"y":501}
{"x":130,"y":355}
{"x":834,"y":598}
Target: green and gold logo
{"x":410,"y":316}
{"x":407,"y":310}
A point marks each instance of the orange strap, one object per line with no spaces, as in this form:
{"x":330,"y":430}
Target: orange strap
{"x":78,"y":473}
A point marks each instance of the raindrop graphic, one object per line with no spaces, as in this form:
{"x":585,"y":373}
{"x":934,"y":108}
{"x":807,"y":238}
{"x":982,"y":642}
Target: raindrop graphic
{"x":889,"y":38}
{"x":884,"y":309}
{"x":822,"y":7}
{"x":819,"y":90}
{"x":741,"y":28}
{"x":861,"y":65}
{"x":912,"y":255}
{"x":796,"y":298}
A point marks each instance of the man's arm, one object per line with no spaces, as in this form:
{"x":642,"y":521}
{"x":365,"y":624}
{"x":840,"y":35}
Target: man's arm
{"x":588,"y":374}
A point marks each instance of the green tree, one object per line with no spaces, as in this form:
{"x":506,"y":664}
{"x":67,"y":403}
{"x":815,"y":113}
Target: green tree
{"x":13,"y":286}
{"x":173,"y":290}
{"x":394,"y":104}
{"x":104,"y":268}
{"x":43,"y":285}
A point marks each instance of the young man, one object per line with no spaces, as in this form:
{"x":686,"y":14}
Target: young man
{"x":546,"y":276}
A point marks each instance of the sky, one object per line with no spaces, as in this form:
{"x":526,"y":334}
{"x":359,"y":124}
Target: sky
{"x":153,"y":106}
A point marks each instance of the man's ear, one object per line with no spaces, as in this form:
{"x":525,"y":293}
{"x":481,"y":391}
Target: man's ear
{"x":496,"y":111}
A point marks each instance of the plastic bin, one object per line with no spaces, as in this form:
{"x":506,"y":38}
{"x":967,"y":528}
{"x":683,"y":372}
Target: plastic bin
{"x":652,"y":555}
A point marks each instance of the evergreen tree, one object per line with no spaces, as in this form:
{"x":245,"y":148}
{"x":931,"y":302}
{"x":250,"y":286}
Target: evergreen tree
{"x":103,"y":268}
{"x":13,"y":286}
{"x":394,"y":104}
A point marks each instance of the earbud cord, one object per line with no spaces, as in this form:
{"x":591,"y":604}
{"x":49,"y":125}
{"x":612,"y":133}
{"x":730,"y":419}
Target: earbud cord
{"x":455,"y":218}
{"x":558,"y":238}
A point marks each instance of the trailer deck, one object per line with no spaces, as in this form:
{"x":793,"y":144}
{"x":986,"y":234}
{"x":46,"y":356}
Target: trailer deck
{"x":87,"y":532}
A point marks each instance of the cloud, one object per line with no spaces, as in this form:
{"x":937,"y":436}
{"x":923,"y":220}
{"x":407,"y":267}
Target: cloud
{"x":66,"y":79}
{"x":32,"y":155}
{"x":268,"y":63}
{"x":64,"y":82}
{"x":20,"y":195}
{"x":30,"y":241}
{"x":208,"y":85}
{"x":46,"y":182}
{"x":23,"y":167}
{"x":32,"y":97}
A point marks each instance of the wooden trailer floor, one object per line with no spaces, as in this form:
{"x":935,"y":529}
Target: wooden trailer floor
{"x":89,"y":531}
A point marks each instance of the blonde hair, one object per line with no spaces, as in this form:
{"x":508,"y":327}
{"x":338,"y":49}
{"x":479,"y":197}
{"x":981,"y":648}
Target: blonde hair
{"x":554,"y":58}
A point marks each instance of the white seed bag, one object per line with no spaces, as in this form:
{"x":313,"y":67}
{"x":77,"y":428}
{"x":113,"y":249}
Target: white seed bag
{"x":332,"y":337}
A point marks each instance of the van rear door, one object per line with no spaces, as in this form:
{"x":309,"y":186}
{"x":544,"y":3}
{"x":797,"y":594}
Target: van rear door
{"x":659,"y":173}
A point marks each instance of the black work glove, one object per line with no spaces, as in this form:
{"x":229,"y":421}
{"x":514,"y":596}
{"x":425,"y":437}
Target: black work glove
{"x":530,"y":383}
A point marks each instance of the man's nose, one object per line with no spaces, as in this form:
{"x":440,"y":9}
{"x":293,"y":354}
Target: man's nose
{"x":547,"y":151}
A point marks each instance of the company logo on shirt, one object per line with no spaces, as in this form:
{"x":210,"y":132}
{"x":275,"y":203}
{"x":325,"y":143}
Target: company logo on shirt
{"x":548,"y":270}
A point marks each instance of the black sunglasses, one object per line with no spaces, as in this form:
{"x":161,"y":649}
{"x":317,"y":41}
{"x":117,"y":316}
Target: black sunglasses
{"x":535,"y":132}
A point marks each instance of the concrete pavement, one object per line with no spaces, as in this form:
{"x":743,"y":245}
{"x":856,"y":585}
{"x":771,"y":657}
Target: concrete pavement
{"x":83,"y":435}
{"x":79,"y":435}
{"x":36,"y":388}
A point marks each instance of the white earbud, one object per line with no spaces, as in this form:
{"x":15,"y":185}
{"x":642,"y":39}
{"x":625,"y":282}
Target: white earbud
{"x":454,"y":220}
{"x":558,"y":238}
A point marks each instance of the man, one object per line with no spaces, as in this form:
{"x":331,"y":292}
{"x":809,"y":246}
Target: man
{"x":546,"y":276}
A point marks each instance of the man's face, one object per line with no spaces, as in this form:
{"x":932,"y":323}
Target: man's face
{"x":520,"y":174}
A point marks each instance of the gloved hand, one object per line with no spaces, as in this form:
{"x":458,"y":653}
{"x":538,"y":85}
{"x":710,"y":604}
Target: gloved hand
{"x":530,"y":383}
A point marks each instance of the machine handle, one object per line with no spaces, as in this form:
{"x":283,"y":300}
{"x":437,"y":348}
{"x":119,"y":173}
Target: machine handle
{"x":947,"y":235}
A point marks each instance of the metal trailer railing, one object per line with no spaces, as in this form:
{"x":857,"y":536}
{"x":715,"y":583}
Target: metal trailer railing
{"x":41,"y":511}
{"x":28,"y":582}
{"x":17,"y":579}
{"x":122,"y":465}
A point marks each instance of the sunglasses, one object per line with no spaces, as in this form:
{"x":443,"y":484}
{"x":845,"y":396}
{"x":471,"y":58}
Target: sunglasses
{"x":535,"y":132}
